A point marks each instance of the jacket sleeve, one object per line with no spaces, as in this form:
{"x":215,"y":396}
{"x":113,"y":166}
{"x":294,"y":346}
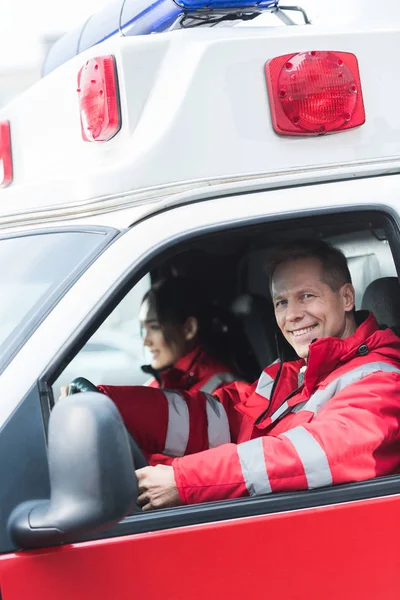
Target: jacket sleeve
{"x":355,"y":436}
{"x":214,"y":382}
{"x":175,"y":423}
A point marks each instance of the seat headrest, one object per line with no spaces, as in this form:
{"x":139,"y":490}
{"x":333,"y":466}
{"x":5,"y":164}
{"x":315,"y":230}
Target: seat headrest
{"x":256,"y":314}
{"x":382,"y":298}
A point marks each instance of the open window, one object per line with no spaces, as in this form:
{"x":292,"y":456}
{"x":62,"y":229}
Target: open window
{"x":231,"y":267}
{"x":231,"y":262}
{"x":114,"y":353}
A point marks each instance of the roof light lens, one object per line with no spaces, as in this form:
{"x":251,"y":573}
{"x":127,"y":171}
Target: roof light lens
{"x":99,"y":99}
{"x":6,"y":169}
{"x":312,"y":93}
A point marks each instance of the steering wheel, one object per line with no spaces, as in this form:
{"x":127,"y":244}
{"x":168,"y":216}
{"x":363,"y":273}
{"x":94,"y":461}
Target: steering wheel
{"x":80,"y":384}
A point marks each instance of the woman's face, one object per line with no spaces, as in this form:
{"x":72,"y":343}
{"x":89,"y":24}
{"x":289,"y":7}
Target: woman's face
{"x":164,"y":354}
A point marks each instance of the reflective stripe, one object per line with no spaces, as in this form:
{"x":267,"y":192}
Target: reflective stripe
{"x":264,"y":385}
{"x":279,"y":411}
{"x":321,"y":397}
{"x":178,"y":425}
{"x":312,"y":456}
{"x":252,"y":462}
{"x":218,"y":424}
{"x":215,"y":381}
{"x":317,"y":400}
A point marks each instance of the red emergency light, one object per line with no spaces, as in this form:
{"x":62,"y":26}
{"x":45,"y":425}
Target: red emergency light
{"x":6,"y":169}
{"x":99,"y":99}
{"x":314,"y":93}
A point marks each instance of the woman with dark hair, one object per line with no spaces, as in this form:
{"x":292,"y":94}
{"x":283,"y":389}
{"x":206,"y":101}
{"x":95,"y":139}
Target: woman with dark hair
{"x":189,"y":338}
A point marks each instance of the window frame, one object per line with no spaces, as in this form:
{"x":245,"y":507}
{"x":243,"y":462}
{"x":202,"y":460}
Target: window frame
{"x":108,"y":233}
{"x":243,"y":507}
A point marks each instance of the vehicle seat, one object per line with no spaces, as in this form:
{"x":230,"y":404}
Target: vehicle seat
{"x":382,"y":298}
{"x":255,"y":313}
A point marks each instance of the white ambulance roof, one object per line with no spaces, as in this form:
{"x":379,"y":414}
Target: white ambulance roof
{"x":195,"y":113}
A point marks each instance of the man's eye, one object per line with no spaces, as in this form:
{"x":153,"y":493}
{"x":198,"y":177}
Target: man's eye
{"x":306,"y":296}
{"x":280,"y":303}
{"x":154,"y":327}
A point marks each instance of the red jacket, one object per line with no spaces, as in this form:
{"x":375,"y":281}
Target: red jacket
{"x":342,"y":424}
{"x":196,"y":371}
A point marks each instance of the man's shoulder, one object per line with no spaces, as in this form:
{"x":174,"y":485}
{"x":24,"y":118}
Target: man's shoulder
{"x":362,"y":366}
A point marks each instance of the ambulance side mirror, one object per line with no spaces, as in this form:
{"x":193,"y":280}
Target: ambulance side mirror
{"x":92,"y":479}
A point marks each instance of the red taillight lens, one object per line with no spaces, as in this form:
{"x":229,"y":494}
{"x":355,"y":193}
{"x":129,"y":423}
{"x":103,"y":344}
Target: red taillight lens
{"x":312,"y":93}
{"x":6,"y":171}
{"x":99,"y":99}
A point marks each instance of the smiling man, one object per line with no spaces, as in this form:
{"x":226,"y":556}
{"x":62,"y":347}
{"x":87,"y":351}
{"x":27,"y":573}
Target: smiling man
{"x":329,"y":415}
{"x":313,"y":296}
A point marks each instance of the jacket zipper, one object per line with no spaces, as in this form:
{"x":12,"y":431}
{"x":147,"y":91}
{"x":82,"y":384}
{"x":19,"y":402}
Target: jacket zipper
{"x":264,"y":413}
{"x":260,"y":418}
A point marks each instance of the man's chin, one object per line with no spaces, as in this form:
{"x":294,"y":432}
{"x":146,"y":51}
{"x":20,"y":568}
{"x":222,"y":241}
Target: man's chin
{"x":302,"y":350}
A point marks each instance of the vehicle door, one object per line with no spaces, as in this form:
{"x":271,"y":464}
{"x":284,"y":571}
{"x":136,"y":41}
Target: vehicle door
{"x":335,"y":543}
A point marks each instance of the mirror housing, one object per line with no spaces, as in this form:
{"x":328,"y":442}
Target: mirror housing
{"x":92,"y":479}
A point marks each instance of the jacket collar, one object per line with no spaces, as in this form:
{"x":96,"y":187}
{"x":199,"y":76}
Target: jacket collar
{"x":325,"y":354}
{"x":187,"y":363}
{"x":184,"y":366}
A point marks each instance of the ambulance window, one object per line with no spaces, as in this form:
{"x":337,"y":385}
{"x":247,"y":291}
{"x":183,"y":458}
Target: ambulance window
{"x":115,"y":353}
{"x":34,"y":270}
{"x":231,"y":265}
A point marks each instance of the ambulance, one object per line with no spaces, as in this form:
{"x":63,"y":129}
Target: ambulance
{"x":177,"y":145}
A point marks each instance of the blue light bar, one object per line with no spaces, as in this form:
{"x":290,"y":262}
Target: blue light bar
{"x":193,"y":5}
{"x":130,"y":17}
{"x":138,"y":17}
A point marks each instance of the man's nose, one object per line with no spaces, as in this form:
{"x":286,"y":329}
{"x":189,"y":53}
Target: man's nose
{"x":294,"y":311}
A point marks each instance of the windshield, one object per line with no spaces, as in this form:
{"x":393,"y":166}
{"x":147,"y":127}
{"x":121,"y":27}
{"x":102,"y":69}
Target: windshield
{"x":35,"y":270}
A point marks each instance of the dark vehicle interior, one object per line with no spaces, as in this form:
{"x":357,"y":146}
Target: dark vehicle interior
{"x":231,"y":265}
{"x":235,"y":267}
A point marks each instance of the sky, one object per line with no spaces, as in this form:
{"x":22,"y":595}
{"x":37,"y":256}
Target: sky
{"x":24,"y":22}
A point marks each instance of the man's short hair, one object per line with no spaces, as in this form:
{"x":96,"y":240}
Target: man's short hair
{"x":334,"y":263}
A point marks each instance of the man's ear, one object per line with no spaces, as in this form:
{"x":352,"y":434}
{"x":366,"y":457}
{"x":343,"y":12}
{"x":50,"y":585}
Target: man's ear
{"x":190,"y":328}
{"x":349,"y":297}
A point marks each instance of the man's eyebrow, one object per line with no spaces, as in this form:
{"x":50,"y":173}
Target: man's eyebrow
{"x":301,"y":290}
{"x":305,"y":289}
{"x":150,"y":321}
{"x":278,"y":296}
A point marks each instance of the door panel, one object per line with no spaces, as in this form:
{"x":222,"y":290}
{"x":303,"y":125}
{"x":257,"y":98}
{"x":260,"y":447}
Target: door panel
{"x":346,"y":551}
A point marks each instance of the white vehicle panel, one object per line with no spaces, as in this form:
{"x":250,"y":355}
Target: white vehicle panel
{"x":210,"y":123}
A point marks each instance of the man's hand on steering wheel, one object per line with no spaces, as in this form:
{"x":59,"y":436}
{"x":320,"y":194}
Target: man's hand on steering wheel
{"x":157,"y":487}
{"x":81,"y":384}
